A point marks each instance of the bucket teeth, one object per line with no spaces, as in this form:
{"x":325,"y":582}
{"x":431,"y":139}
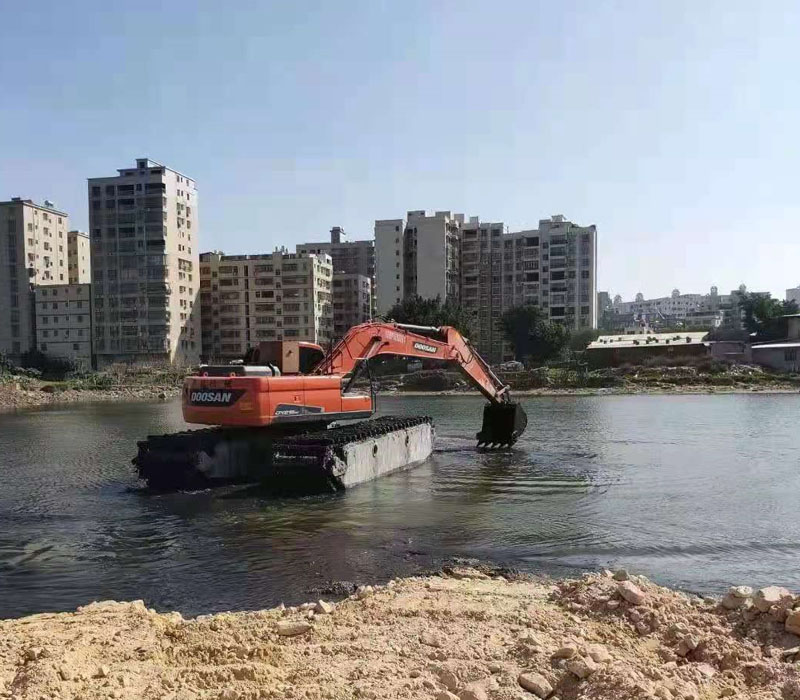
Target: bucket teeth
{"x":502,"y":425}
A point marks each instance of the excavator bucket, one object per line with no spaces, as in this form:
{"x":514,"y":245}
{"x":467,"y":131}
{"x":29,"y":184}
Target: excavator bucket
{"x":503,"y":423}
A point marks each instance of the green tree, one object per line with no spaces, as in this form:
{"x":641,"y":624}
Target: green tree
{"x":579,"y":340}
{"x":763,"y":315}
{"x":531,"y":335}
{"x":431,"y":312}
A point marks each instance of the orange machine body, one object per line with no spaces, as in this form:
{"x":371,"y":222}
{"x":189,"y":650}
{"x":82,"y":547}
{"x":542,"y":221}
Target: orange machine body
{"x":261,"y":401}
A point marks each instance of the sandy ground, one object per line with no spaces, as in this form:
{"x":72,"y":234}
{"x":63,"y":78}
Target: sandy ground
{"x":462,"y":635}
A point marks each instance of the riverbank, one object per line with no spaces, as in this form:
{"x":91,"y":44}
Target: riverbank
{"x":34,"y":393}
{"x":465,"y":634}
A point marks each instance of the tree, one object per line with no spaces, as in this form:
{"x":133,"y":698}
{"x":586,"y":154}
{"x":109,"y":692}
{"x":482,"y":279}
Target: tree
{"x":431,"y":312}
{"x":762,"y":315}
{"x":579,"y":340}
{"x":532,"y":335}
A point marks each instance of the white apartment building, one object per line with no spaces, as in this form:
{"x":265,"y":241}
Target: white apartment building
{"x":352,"y":302}
{"x":418,"y":255}
{"x":144,"y":235}
{"x":64,"y":321}
{"x":33,"y":252}
{"x":676,"y":305}
{"x":79,"y":264}
{"x":245,"y":299}
{"x":793,"y":295}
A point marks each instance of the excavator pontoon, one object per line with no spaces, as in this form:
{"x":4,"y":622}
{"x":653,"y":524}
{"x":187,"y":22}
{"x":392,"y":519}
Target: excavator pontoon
{"x":275,"y":408}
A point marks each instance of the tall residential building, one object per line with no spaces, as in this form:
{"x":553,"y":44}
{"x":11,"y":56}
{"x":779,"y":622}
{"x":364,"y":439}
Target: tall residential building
{"x":793,"y":295}
{"x":33,"y":252}
{"x":64,"y":321}
{"x":275,"y":296}
{"x":553,"y":267}
{"x":79,"y":257}
{"x":352,"y":301}
{"x":418,"y":255}
{"x":144,"y":235}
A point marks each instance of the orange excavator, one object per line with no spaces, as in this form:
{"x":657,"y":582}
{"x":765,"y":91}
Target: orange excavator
{"x":290,"y":383}
{"x":272,"y":411}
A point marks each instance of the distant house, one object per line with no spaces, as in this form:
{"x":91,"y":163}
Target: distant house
{"x":613,"y":350}
{"x":782,"y":354}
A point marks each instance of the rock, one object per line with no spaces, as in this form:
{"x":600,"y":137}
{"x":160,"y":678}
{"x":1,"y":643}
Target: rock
{"x":598,"y":653}
{"x":101,"y":672}
{"x":581,"y":666}
{"x":430,"y":639}
{"x":793,"y":622}
{"x":66,"y":673}
{"x":364,"y":592}
{"x":741,"y":591}
{"x":290,"y":628}
{"x":323,"y":608}
{"x":446,"y":695}
{"x":162,"y":395}
{"x":474,"y":692}
{"x":495,"y":668}
{"x":632,"y":593}
{"x":706,"y":670}
{"x":612,"y":604}
{"x":448,"y":679}
{"x":732,"y":602}
{"x":765,"y":598}
{"x":621,"y":575}
{"x":307,"y":606}
{"x":310,"y":614}
{"x":466,"y":572}
{"x":33,"y":653}
{"x":416,"y":673}
{"x":535,"y":683}
{"x":565,"y":652}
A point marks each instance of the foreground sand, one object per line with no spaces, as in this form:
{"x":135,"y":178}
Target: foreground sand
{"x":461,"y":635}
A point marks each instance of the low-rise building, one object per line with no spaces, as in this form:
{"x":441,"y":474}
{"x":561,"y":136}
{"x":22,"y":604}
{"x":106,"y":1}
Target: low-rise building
{"x":784,"y":354}
{"x":352,"y":301}
{"x":634,"y":348}
{"x":245,"y":299}
{"x":64,"y":321}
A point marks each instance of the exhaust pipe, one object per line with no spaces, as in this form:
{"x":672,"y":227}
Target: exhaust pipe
{"x":503,"y":423}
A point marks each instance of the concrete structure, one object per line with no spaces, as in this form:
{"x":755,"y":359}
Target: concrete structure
{"x":351,"y":257}
{"x":352,"y":301}
{"x":793,"y":295}
{"x":144,"y":237}
{"x":612,"y":350}
{"x":418,"y":255}
{"x":782,"y":355}
{"x":79,"y":265}
{"x":64,"y":321}
{"x":245,"y":299}
{"x":33,"y":252}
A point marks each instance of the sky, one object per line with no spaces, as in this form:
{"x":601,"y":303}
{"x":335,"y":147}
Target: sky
{"x":670,"y":124}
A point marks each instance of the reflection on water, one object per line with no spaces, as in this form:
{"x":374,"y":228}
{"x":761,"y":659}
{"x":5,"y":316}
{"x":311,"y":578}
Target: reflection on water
{"x":695,"y":491}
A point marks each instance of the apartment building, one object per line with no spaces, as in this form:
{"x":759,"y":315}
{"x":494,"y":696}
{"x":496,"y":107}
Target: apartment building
{"x":245,"y":299}
{"x":144,"y":235}
{"x":33,"y":252}
{"x":793,"y":294}
{"x":79,"y":258}
{"x":351,"y":257}
{"x":553,"y":267}
{"x":64,"y":321}
{"x":417,"y":255}
{"x":352,"y":301}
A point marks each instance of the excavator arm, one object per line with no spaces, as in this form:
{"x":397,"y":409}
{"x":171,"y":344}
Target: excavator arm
{"x":503,"y":420}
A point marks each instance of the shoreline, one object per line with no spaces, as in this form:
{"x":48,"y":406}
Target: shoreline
{"x":12,"y":398}
{"x":615,"y":391}
{"x":464,"y":633}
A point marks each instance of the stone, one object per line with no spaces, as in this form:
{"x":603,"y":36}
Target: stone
{"x":33,"y":653}
{"x":598,"y":653}
{"x":416,"y":673}
{"x":793,"y":622}
{"x":310,"y":614}
{"x":66,"y":673}
{"x":621,"y":575}
{"x":706,"y":670}
{"x":290,"y":628}
{"x":323,"y":608}
{"x":473,"y":692}
{"x":765,"y":598}
{"x":663,"y":692}
{"x":581,"y":666}
{"x":535,"y":683}
{"x":364,"y":592}
{"x":448,"y":679}
{"x":565,"y":652}
{"x":307,"y":606}
{"x":612,"y":604}
{"x":741,"y":591}
{"x":430,"y":639}
{"x":631,"y":592}
{"x":446,"y":695}
{"x":102,"y":672}
{"x":495,"y":667}
{"x":467,"y":572}
{"x":732,"y":602}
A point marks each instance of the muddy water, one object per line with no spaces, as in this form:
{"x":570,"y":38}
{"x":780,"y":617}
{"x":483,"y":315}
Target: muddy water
{"x":694,"y":491}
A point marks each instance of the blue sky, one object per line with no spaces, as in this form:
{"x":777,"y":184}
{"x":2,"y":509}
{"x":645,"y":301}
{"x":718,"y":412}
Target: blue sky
{"x":672,"y":124}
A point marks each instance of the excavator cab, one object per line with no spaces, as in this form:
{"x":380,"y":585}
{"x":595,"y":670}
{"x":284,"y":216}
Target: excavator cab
{"x":503,"y":423}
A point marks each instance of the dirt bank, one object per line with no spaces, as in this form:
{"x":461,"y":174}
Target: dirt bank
{"x":464,"y":635}
{"x":36,"y":393}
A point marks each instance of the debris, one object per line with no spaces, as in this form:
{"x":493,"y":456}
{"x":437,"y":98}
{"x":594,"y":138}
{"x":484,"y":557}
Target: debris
{"x":535,"y":683}
{"x":630,"y":592}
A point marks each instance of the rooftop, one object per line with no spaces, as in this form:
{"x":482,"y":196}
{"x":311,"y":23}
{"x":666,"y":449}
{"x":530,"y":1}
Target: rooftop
{"x":645,"y":340}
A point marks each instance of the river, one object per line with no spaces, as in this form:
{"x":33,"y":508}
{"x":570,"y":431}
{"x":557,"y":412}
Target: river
{"x":694,"y":491}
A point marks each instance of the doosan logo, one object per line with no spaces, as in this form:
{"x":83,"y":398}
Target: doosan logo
{"x":211,"y":396}
{"x":425,"y":348}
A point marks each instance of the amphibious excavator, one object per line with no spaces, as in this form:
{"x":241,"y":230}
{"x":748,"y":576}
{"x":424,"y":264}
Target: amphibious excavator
{"x":284,"y":396}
